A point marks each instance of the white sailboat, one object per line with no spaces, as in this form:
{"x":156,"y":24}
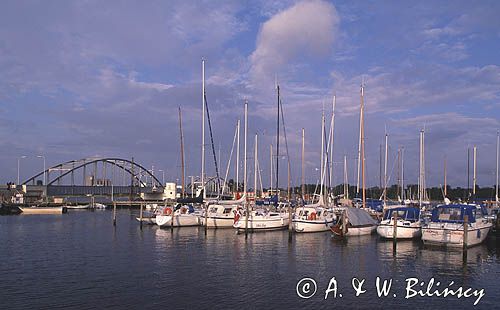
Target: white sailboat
{"x":315,"y":217}
{"x":183,"y":216}
{"x":261,"y":220}
{"x":408,"y":224}
{"x":312,"y":218}
{"x":222,"y":214}
{"x":446,"y":227}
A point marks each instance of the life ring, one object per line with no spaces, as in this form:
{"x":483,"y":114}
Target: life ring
{"x":312,"y":216}
{"x":167,"y":211}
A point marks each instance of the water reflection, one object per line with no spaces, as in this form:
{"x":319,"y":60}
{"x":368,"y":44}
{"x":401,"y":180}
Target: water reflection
{"x":404,"y":250}
{"x":452,"y":261}
{"x":103,"y":265}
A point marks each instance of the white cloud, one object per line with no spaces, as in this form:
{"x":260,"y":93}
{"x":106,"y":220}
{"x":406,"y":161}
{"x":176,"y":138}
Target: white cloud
{"x":306,"y":30}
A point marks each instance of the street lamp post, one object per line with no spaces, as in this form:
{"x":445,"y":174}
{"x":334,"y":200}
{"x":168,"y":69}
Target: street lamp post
{"x":44,"y":172}
{"x":18,"y":168}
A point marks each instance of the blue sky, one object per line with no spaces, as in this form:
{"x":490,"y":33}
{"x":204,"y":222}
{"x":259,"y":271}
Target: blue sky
{"x":90,"y":78}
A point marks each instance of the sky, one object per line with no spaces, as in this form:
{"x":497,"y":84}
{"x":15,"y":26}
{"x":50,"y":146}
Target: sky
{"x":105,"y":78}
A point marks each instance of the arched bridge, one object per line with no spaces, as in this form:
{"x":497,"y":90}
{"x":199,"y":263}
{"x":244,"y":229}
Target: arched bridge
{"x":97,"y":176}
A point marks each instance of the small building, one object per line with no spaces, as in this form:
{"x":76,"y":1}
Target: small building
{"x":170,"y":191}
{"x":90,"y":180}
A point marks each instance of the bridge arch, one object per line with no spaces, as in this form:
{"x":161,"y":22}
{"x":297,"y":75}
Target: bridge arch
{"x":134,"y":170}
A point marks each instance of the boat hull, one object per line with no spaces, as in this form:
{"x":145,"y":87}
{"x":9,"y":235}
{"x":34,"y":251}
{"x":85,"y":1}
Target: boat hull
{"x":147,"y":220}
{"x":354,"y":230}
{"x":262,"y":224}
{"x":43,"y":210}
{"x":179,"y":220}
{"x":402,"y":232}
{"x":218,"y":222}
{"x":453,"y":236}
{"x":78,"y":207}
{"x":361,"y":230}
{"x":304,"y":226}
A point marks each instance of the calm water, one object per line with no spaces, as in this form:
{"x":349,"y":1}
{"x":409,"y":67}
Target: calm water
{"x":79,"y":260}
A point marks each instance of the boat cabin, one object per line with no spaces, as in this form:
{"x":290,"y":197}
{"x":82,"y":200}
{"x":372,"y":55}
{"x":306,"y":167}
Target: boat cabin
{"x":311,"y":213}
{"x":219,"y":209}
{"x":403,"y":213}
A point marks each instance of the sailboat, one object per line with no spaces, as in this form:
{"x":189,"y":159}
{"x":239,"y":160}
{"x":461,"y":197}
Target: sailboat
{"x":180,"y":216}
{"x":353,"y":222}
{"x":221,"y":213}
{"x":316,"y":217}
{"x":261,"y":220}
{"x":456,"y":225}
{"x":184,"y":215}
{"x":446,"y":227}
{"x":356,"y":221}
{"x":408,"y":223}
{"x":313,"y":218}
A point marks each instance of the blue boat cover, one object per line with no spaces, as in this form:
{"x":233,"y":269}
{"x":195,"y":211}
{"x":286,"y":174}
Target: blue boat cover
{"x":411,"y":214}
{"x":375,"y":204}
{"x":454,"y":213}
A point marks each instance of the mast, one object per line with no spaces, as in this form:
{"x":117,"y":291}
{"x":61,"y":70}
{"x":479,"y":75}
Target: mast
{"x":203,"y":128}
{"x":182,"y":153}
{"x":421,"y":182}
{"x":255,"y":170}
{"x":359,"y":144}
{"x":498,"y":151}
{"x":385,"y":170}
{"x":303,"y":168}
{"x":399,"y":172}
{"x":402,"y":174}
{"x":445,"y":185}
{"x":332,"y":132}
{"x":288,"y":181}
{"x":468,"y":173}
{"x":424,"y":185}
{"x":277,"y":140}
{"x":322,"y":148}
{"x":237,"y":159}
{"x":245,"y":152}
{"x":380,"y":166}
{"x":474,"y":179}
{"x":346,"y":181}
{"x":245,"y":171}
{"x":363,"y":144}
{"x":271,"y":172}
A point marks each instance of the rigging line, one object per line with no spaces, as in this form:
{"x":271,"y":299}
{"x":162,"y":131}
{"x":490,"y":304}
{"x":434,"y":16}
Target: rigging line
{"x":326,"y":170}
{"x":284,"y":134}
{"x":229,"y":161}
{"x":260,"y":178}
{"x":212,"y":142}
{"x":389,"y":177}
{"x":328,"y":163}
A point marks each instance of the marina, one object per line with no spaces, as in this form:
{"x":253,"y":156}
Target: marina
{"x":83,"y":252}
{"x":305,"y":154}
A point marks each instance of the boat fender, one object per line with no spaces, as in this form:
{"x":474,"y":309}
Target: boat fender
{"x":167,"y":211}
{"x":236,"y":217}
